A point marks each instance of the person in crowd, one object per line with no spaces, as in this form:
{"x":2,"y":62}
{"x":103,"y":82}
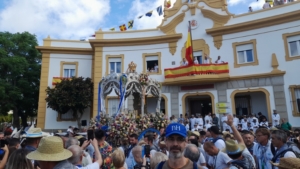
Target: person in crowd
{"x":184,"y":62}
{"x":196,"y":127}
{"x":18,"y":160}
{"x":248,"y":138}
{"x":13,"y":145}
{"x":236,"y":120}
{"x":261,"y":117}
{"x":219,"y":61}
{"x":187,"y":125}
{"x":208,"y":118}
{"x":148,"y":138}
{"x":296,"y":134}
{"x":51,"y":154}
{"x":192,"y":121}
{"x":1,"y":136}
{"x":207,"y":125}
{"x":5,"y":157}
{"x":217,"y":159}
{"x":104,"y":148}
{"x":275,"y":118}
{"x":33,"y":137}
{"x":262,"y":151}
{"x":250,"y":9}
{"x":266,"y":5}
{"x":196,"y":61}
{"x":249,"y":126}
{"x":180,"y":119}
{"x":285,"y":125}
{"x":118,"y":159}
{"x":192,"y":152}
{"x":77,"y":156}
{"x":224,"y":120}
{"x":291,"y":144}
{"x":202,"y":138}
{"x":217,"y":140}
{"x":156,"y":68}
{"x":255,"y":125}
{"x":215,"y":120}
{"x":157,"y":158}
{"x":206,"y":59}
{"x":199,"y":121}
{"x":264,"y":123}
{"x":241,"y":157}
{"x":137,"y":156}
{"x":279,"y":139}
{"x":133,"y":140}
{"x":175,"y":141}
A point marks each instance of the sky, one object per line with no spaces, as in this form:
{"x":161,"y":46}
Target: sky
{"x":76,"y":19}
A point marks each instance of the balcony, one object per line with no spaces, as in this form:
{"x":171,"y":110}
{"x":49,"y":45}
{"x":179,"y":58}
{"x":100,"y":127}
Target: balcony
{"x":200,"y":74}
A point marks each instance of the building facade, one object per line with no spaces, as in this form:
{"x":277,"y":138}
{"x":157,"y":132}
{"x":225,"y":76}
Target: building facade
{"x":261,"y":51}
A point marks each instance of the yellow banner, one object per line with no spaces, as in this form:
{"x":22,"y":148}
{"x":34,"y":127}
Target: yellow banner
{"x":56,"y":80}
{"x":222,"y":105}
{"x":196,"y":69}
{"x":222,"y":111}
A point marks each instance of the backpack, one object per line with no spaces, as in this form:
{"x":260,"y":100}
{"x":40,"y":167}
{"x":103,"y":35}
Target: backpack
{"x":291,"y":145}
{"x":216,"y":139}
{"x":161,"y":164}
{"x":281,"y":154}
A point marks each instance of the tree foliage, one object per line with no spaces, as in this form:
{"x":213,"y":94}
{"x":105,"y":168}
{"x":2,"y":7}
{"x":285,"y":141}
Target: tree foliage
{"x":74,"y":94}
{"x":20,"y":67}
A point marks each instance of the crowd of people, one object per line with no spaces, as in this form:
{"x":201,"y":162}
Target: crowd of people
{"x":173,"y":146}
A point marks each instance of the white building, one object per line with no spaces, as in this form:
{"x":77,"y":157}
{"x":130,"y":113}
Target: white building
{"x":262,"y":49}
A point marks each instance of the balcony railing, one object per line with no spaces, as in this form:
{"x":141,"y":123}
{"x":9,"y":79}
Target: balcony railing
{"x":201,"y":69}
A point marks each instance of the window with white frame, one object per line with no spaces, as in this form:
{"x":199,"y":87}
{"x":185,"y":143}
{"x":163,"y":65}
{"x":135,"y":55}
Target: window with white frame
{"x":152,"y":64}
{"x":113,"y":105}
{"x":294,"y":45}
{"x":115,"y":65}
{"x":198,"y":56}
{"x":297,"y":97}
{"x":69,"y":70}
{"x":245,"y":53}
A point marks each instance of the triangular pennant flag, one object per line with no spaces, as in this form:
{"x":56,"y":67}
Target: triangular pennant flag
{"x":149,"y":13}
{"x":123,"y":27}
{"x":159,"y":10}
{"x":168,"y":5}
{"x":140,"y":17}
{"x":130,"y":24}
{"x":112,"y":29}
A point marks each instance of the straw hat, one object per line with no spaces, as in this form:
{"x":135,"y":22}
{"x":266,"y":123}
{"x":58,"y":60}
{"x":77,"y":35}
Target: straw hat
{"x":50,"y":149}
{"x":196,"y":133}
{"x":288,"y":163}
{"x":233,"y":148}
{"x":273,"y":128}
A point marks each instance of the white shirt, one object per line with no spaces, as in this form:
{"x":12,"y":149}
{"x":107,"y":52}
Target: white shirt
{"x":196,"y":61}
{"x":236,"y":121}
{"x":264,"y":124}
{"x":205,"y":61}
{"x":156,"y":68}
{"x":192,"y":120}
{"x":91,"y":166}
{"x":187,"y":127}
{"x":219,"y":61}
{"x":263,"y":158}
{"x":185,"y":63}
{"x":220,"y":144}
{"x":207,"y":125}
{"x":219,"y":161}
{"x":200,"y":122}
{"x":275,"y":119}
{"x":244,"y":124}
{"x":255,"y":126}
{"x":224,"y":119}
{"x":209,"y":118}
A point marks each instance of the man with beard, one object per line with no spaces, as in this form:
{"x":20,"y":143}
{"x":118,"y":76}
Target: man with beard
{"x":175,"y":143}
{"x":133,"y":140}
{"x":248,"y":138}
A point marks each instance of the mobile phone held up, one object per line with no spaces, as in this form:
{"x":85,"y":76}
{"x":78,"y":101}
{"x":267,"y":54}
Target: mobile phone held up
{"x":147,"y":150}
{"x":90,"y":134}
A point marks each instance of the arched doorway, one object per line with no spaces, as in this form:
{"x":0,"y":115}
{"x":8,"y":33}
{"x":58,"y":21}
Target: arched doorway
{"x":251,"y":101}
{"x":198,"y":103}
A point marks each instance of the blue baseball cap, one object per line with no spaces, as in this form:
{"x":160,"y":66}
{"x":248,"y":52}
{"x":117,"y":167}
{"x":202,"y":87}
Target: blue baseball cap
{"x":176,"y":128}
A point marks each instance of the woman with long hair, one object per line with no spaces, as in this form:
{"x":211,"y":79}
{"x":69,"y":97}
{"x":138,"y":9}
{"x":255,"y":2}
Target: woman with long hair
{"x":18,"y":160}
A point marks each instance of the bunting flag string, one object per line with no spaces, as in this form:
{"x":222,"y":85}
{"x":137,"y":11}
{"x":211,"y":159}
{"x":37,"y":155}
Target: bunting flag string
{"x":112,"y":29}
{"x":130,"y":24}
{"x":122,"y":27}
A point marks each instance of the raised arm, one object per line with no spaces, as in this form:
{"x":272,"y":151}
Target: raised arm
{"x":236,"y":133}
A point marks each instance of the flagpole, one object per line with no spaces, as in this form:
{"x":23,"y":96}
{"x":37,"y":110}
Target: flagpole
{"x":191,"y":39}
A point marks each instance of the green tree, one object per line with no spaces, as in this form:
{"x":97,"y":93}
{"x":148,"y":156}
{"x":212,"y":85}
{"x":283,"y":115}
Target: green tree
{"x":74,"y":94}
{"x":20,"y":67}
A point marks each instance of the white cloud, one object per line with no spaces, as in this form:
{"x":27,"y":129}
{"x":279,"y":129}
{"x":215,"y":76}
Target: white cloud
{"x":65,"y":19}
{"x":235,"y":2}
{"x":139,"y":8}
{"x":257,"y":4}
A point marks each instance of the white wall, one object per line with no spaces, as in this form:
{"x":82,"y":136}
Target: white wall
{"x":71,"y":44}
{"x":84,"y":70}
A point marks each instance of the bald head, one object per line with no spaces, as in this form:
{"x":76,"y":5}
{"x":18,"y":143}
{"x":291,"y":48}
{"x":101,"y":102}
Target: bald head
{"x":192,"y":152}
{"x":137,"y":153}
{"x":210,"y":148}
{"x":77,"y":154}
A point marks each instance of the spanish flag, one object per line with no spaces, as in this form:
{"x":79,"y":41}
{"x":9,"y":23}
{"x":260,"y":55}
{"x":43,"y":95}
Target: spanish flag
{"x":189,"y":48}
{"x":123,"y":27}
